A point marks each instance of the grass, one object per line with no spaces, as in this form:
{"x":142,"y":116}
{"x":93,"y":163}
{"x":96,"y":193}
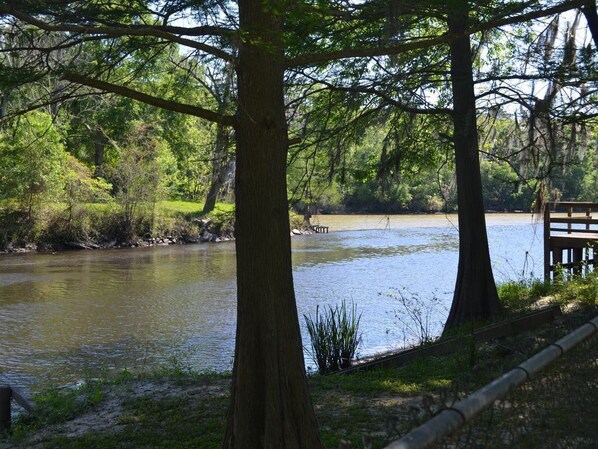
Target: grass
{"x":518,"y":296}
{"x":335,"y":336}
{"x":191,"y":208}
{"x":347,"y":407}
{"x":197,"y":420}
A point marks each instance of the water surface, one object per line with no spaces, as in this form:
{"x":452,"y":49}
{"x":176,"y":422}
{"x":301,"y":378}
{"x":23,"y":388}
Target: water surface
{"x":68,"y":315}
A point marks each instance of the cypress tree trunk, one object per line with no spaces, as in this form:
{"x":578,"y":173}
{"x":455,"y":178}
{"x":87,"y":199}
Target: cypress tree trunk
{"x":218,"y":168}
{"x":590,"y":12}
{"x":270,"y":403}
{"x":475,"y":295}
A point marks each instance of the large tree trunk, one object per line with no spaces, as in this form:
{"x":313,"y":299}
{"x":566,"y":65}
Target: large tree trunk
{"x":270,"y":403}
{"x":475,"y":295}
{"x":219,"y":167}
{"x":590,"y":12}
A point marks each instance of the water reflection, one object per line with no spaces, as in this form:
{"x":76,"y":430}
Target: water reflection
{"x":68,"y":314}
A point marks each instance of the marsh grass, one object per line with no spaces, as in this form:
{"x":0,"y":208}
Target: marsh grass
{"x":335,"y":336}
{"x":570,"y":287}
{"x":566,"y":288}
{"x":518,"y":296}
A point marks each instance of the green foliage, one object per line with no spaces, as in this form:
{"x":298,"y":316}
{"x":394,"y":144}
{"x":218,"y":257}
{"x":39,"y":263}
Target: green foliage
{"x":502,"y":187}
{"x":81,"y":186}
{"x":56,"y":406}
{"x":576,"y":288}
{"x":566,"y":288}
{"x":31,"y":161}
{"x":140,"y":177}
{"x":84,"y":222}
{"x":334,"y":337}
{"x":589,"y":180}
{"x":517,"y":296}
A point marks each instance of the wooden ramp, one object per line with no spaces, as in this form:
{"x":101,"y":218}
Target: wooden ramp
{"x":570,"y":237}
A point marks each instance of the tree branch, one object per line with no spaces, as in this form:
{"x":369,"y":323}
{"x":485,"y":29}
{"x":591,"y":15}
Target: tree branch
{"x":206,"y":114}
{"x":117,"y":31}
{"x":420,"y":44}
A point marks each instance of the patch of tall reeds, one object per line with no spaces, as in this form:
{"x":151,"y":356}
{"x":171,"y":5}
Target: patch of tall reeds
{"x":335,"y":336}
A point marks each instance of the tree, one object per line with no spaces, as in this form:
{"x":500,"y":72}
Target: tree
{"x":31,"y":159}
{"x":220,"y":87}
{"x":475,"y":297}
{"x":138,"y":175}
{"x":266,"y":313}
{"x":270,"y":404}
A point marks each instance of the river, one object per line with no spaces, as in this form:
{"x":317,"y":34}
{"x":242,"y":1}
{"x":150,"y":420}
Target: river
{"x":71,"y":315}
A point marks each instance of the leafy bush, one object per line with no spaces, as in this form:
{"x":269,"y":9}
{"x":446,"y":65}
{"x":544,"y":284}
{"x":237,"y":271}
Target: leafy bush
{"x":573,"y":287}
{"x":334,"y":337}
{"x":516,"y":296}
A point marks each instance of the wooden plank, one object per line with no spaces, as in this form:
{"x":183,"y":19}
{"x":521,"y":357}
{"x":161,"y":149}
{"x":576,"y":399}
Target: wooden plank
{"x":20,"y":399}
{"x":575,"y":204}
{"x":502,"y":329}
{"x":571,"y":240}
{"x":574,"y":220}
{"x":575,"y":240}
{"x":577,"y":231}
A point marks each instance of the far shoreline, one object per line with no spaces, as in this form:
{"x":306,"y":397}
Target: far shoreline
{"x":378,"y":220}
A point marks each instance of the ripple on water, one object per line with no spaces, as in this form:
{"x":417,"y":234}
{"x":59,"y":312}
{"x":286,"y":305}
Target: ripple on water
{"x":64,"y":316}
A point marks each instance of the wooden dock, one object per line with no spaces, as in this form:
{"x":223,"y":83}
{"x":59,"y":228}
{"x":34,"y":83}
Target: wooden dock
{"x":319,"y":229}
{"x":570,"y":241}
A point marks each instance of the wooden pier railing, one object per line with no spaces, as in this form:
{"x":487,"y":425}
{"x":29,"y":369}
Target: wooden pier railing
{"x":571,"y":240}
{"x":7,"y":394}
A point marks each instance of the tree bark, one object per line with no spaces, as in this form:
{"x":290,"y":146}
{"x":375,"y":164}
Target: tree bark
{"x":218,"y":168}
{"x":270,"y":402}
{"x":590,"y":12}
{"x":475,"y":296}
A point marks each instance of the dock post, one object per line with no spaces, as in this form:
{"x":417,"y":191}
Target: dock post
{"x":547,"y":248}
{"x":5,"y":397}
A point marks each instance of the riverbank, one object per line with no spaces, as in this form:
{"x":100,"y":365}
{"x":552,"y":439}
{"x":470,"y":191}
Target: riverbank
{"x":103,"y":226}
{"x":177,"y":408}
{"x":172,"y":223}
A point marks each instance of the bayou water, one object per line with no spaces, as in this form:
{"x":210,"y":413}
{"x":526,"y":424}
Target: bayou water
{"x":70,"y":315}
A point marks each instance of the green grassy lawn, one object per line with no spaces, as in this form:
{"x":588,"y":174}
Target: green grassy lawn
{"x":191,"y":412}
{"x":191,"y":208}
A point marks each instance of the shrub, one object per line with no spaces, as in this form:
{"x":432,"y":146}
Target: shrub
{"x":334,"y":337}
{"x":574,"y":287}
{"x":517,"y":296}
{"x":417,"y":316}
